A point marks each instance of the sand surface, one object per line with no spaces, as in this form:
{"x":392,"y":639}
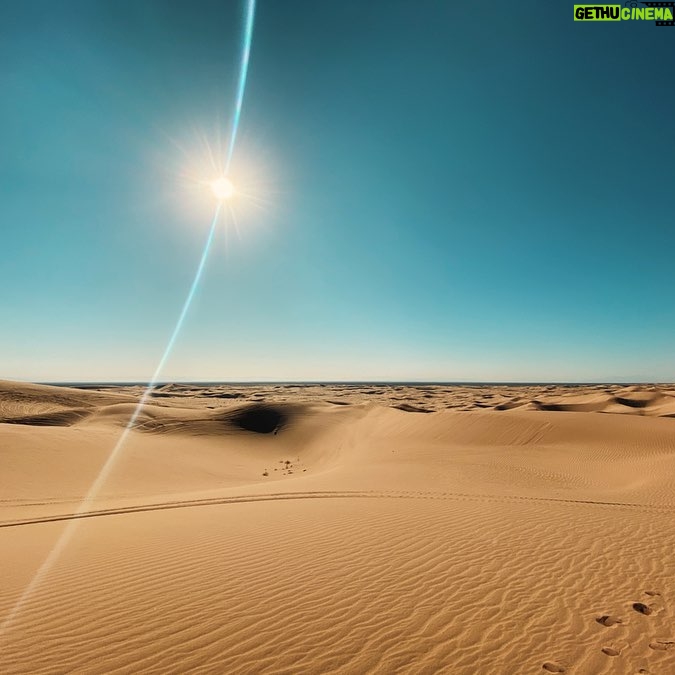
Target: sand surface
{"x":339,"y":529}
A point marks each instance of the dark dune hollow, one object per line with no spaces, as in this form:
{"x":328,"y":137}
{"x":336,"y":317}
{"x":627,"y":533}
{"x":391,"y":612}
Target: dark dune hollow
{"x":261,"y":419}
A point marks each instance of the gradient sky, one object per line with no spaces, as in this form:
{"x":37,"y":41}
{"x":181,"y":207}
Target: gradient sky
{"x":443,"y":191}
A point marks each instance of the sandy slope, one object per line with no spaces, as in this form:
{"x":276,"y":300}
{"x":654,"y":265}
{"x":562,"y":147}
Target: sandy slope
{"x":495,"y":534}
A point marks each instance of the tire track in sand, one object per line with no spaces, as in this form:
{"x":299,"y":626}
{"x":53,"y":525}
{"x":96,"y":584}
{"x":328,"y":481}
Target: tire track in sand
{"x":347,"y":494}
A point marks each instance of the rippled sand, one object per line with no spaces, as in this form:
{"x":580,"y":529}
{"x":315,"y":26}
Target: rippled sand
{"x":335,"y":528}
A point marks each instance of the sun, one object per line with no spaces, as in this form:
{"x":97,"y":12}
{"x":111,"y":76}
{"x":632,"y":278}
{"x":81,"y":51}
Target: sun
{"x":222,"y":188}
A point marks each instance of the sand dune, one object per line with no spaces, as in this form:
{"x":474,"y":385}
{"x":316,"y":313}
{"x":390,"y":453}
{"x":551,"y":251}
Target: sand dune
{"x":338,"y":528}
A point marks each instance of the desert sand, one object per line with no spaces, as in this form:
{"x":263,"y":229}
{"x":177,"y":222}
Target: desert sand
{"x":339,"y":529}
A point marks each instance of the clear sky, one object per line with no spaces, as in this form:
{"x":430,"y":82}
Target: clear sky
{"x":439,"y":191}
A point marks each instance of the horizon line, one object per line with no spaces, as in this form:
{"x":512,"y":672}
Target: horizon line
{"x":121,"y":383}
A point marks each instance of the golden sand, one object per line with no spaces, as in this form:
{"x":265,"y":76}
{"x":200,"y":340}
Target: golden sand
{"x":345,"y":529}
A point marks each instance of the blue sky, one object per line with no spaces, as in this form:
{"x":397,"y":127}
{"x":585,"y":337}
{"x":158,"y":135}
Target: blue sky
{"x":440,"y":191}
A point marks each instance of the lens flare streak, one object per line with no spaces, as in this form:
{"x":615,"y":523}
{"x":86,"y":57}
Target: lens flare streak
{"x":67,"y":534}
{"x":243,"y":74}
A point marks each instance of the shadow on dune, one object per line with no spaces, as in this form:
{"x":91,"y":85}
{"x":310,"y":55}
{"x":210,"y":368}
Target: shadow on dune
{"x":406,"y":407}
{"x":570,"y":407}
{"x":635,"y":402}
{"x":62,"y":418}
{"x":259,"y":418}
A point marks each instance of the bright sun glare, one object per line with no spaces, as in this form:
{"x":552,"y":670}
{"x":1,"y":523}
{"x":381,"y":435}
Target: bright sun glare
{"x":222,"y":188}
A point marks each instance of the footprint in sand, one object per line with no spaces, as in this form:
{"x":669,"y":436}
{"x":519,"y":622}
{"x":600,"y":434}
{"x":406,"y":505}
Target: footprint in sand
{"x":662,"y":644}
{"x":615,"y":649}
{"x":551,"y":667}
{"x":642,"y":608}
{"x":609,"y":620}
{"x":656,"y":605}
